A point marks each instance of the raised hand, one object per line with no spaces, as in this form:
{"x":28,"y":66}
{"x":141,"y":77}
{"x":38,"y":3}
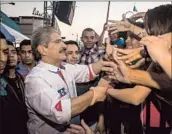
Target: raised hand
{"x":128,"y":55}
{"x":77,"y":129}
{"x":156,"y":46}
{"x":86,"y":127}
{"x":139,"y":15}
{"x":100,"y":125}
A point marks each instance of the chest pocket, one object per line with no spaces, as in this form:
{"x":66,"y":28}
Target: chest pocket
{"x":69,"y":84}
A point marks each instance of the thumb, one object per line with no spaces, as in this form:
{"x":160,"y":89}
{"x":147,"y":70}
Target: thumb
{"x":119,"y":62}
{"x":85,"y":126}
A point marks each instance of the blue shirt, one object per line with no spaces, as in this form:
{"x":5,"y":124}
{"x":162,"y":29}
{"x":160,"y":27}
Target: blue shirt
{"x":119,"y":42}
{"x":22,"y":69}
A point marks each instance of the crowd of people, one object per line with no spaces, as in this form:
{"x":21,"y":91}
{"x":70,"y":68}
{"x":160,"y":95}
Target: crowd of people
{"x":120,"y":85}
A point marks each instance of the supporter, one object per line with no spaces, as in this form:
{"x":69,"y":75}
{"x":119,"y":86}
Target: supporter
{"x":72,"y":52}
{"x":154,"y":80}
{"x":4,"y":52}
{"x":91,"y":52}
{"x":13,"y":114}
{"x":27,"y":58}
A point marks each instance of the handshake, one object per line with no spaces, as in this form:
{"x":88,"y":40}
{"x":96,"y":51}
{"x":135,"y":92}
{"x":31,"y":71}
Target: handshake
{"x":100,"y":91}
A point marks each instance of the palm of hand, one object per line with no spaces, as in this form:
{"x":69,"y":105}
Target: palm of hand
{"x":122,"y":73}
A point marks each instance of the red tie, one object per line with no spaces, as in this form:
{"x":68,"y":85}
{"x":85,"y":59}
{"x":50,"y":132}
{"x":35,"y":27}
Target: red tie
{"x":61,"y":75}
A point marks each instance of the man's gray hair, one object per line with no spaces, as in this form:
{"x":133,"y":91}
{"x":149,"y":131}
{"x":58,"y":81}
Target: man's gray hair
{"x":41,"y":36}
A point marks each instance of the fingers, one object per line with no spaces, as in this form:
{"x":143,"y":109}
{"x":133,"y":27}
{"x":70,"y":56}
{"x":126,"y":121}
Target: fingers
{"x":115,"y":51}
{"x":107,"y":69}
{"x":85,"y":126}
{"x":72,"y":131}
{"x":145,"y":42}
{"x":138,"y":15}
{"x":132,"y":58}
{"x":148,"y":40}
{"x":112,"y":77}
{"x":108,"y":64}
{"x":109,"y":48}
{"x":124,"y":51}
{"x":111,"y":25}
{"x":112,"y":29}
{"x":76,"y":129}
{"x":123,"y":57}
{"x":114,"y":32}
{"x":138,"y":64}
{"x":119,"y":62}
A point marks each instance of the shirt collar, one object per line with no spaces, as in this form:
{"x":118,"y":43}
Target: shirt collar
{"x":50,"y":67}
{"x":21,"y":66}
{"x":86,"y":51}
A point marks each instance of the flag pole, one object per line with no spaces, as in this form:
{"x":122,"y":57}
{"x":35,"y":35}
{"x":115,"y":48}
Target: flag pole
{"x":107,"y":16}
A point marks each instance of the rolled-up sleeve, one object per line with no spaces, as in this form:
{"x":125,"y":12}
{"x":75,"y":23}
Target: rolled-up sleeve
{"x":44,"y":100}
{"x":82,"y":73}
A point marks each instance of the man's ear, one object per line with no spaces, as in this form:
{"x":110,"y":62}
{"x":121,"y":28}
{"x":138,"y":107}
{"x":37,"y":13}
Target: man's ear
{"x":42,"y":50}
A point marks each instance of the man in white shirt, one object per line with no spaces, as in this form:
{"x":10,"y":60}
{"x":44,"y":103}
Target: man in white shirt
{"x":50,"y":91}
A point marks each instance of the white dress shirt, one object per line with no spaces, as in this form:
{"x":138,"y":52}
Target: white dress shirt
{"x":48,"y":95}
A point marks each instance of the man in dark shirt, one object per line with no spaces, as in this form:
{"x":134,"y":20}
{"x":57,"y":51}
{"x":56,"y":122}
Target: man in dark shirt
{"x":13,"y":113}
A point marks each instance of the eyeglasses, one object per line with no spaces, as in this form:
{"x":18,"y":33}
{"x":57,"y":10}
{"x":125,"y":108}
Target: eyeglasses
{"x":57,"y":41}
